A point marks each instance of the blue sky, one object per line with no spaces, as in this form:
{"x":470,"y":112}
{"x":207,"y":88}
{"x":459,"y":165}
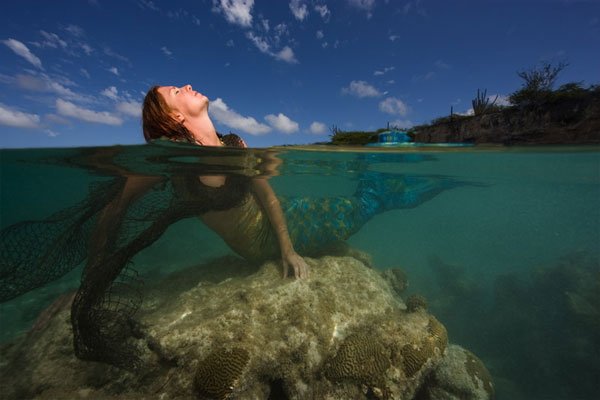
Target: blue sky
{"x":74,"y":73}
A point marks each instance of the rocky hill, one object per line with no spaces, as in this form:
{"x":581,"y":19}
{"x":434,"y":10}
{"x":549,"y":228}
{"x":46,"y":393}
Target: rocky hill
{"x":573,"y":120}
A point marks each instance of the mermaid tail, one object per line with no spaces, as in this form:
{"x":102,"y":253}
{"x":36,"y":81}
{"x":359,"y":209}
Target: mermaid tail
{"x":379,"y":192}
{"x":316,"y":222}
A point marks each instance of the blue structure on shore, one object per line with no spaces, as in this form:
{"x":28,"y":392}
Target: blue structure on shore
{"x":395,"y":137}
{"x":392,"y":137}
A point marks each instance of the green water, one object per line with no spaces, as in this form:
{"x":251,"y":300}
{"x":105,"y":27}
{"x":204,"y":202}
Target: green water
{"x":494,"y":257}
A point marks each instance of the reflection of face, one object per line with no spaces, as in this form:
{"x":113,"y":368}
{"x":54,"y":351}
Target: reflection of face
{"x":184,"y":100}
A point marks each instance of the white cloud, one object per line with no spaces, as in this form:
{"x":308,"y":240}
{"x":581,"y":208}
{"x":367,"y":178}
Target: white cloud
{"x":75,"y":30}
{"x":22,"y":50}
{"x":86,"y":48}
{"x":147,"y":4}
{"x":114,"y":70}
{"x":441,"y":64}
{"x":366,"y":5}
{"x":166,"y":51}
{"x":132,"y":108}
{"x":18,"y":119}
{"x":426,"y":77}
{"x":228,"y":117}
{"x":320,"y":35}
{"x":111,"y":92}
{"x":119,"y":57}
{"x":502,"y":100}
{"x":282,"y":123}
{"x":469,"y":112}
{"x":46,"y":84}
{"x":265,"y":24}
{"x":235,"y":11}
{"x":393,"y":38}
{"x":385,"y":70}
{"x":85,"y":73}
{"x":230,"y":43}
{"x":259,"y":42}
{"x":300,"y":11}
{"x":323,"y":11}
{"x":280,"y":30}
{"x":53,"y":40}
{"x":361,"y":89}
{"x":394,"y":106}
{"x":101,"y":117}
{"x":317,"y":128}
{"x":286,"y":54}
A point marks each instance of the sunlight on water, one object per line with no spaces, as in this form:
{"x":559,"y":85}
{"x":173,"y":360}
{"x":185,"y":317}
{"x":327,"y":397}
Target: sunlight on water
{"x":504,"y":243}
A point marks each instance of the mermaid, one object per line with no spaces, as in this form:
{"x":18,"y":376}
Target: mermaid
{"x":127,"y":214}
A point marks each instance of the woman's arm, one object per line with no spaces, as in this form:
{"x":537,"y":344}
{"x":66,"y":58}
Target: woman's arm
{"x":269,"y":201}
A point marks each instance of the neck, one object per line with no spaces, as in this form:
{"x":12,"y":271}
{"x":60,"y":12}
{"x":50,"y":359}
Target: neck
{"x":203,"y":130}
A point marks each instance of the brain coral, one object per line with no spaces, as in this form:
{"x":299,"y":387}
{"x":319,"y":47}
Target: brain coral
{"x":479,"y":373}
{"x":415,"y":356}
{"x":415,"y":302}
{"x":359,"y":357}
{"x":217,"y":374}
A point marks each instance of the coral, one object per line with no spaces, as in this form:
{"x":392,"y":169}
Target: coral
{"x":359,"y":357}
{"x":218,"y":373}
{"x":397,"y":279}
{"x":336,"y":335}
{"x":438,"y":334}
{"x":479,"y":373}
{"x":416,"y":355}
{"x":460,"y":376}
{"x":416,"y":302}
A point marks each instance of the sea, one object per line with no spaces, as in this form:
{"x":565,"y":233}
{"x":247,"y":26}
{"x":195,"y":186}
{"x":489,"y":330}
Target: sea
{"x":508,"y":256}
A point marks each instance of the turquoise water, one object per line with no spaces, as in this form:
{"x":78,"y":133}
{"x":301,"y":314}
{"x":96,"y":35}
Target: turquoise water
{"x":509,"y":260}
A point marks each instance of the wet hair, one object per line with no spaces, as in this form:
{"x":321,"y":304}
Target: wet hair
{"x":157,"y":121}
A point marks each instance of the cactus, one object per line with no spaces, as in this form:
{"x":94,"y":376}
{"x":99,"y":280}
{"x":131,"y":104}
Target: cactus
{"x":481,"y":103}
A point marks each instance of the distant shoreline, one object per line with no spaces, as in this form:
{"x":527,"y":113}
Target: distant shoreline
{"x":563,"y":118}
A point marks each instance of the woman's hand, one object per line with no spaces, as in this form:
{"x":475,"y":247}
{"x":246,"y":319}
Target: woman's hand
{"x":291,"y":258}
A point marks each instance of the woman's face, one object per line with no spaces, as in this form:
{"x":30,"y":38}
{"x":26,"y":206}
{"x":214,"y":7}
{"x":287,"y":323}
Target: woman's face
{"x":184,"y":100}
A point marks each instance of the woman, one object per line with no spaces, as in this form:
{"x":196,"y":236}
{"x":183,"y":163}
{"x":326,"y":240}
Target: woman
{"x":125,"y":215}
{"x":181,"y":114}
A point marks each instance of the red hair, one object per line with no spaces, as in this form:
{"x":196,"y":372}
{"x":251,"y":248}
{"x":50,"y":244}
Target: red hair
{"x":158,"y":122}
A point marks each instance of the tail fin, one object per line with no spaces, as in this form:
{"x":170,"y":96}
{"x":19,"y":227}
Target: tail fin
{"x":379,"y":192}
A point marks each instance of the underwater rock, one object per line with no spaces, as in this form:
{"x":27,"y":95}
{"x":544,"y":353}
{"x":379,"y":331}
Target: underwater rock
{"x":341,"y":334}
{"x":416,"y":302}
{"x":397,"y":278}
{"x":460,"y":376}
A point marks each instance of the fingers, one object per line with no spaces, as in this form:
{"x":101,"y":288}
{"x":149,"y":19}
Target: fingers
{"x":299,"y":267}
{"x":285,"y":270}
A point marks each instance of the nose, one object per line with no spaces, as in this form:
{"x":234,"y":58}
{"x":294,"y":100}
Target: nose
{"x":188,"y":87}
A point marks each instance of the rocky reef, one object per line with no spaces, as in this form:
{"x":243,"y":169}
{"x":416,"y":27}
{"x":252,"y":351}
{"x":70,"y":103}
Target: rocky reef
{"x":344,"y":333}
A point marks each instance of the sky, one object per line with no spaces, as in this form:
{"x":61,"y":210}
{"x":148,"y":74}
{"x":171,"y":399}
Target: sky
{"x":74,"y":73}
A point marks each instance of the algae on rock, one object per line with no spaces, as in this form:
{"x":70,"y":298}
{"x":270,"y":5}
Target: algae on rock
{"x":339,"y":334}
